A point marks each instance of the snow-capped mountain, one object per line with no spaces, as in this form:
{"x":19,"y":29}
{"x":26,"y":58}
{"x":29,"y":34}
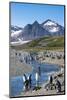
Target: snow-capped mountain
{"x":16,"y":33}
{"x":15,"y":28}
{"x":33,"y":31}
{"x":36,"y":30}
{"x":53,"y":27}
{"x":49,"y":23}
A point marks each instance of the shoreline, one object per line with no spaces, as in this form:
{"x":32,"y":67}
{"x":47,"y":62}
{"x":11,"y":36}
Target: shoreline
{"x":22,"y":69}
{"x":43,"y":91}
{"x":60,"y":62}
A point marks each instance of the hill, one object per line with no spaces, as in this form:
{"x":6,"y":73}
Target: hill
{"x":43,"y":43}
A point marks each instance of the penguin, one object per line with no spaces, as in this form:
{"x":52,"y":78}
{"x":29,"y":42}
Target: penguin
{"x":24,"y":79}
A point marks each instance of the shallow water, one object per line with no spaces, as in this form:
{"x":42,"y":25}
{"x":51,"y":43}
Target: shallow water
{"x":16,"y":83}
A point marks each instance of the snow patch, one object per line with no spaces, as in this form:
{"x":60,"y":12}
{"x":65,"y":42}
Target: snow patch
{"x":19,"y":42}
{"x":16,"y":33}
{"x":54,"y":29}
{"x":50,"y":23}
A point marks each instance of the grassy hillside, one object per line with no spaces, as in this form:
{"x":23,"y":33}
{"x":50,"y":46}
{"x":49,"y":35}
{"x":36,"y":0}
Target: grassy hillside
{"x":48,"y":42}
{"x":43,"y":43}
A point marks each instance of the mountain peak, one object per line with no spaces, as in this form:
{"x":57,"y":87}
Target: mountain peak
{"x":49,"y":22}
{"x":35,"y":22}
{"x":36,"y":30}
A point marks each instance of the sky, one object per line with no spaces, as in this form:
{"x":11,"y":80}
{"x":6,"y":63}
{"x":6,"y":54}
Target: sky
{"x":22,"y":13}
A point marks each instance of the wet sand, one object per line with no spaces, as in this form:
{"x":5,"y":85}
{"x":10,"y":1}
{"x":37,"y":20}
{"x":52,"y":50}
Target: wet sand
{"x":41,"y":92}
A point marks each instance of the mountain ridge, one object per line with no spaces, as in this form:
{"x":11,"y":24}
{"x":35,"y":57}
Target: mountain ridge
{"x":36,"y":30}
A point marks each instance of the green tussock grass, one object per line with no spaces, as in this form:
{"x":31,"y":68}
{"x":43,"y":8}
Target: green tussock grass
{"x":45,"y":43}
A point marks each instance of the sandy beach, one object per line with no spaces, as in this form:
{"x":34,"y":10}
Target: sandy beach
{"x":41,"y":92}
